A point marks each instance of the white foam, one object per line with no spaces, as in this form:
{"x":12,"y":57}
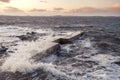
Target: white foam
{"x":13,"y":30}
{"x":21,"y":60}
{"x":104,"y":59}
{"x":50,"y":59}
{"x":87,"y":43}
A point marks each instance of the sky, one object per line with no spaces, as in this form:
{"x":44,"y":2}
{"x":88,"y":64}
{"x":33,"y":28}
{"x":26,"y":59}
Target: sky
{"x":60,"y":7}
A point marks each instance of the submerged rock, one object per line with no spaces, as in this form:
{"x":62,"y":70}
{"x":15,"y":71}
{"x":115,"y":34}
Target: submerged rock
{"x":29,"y":36}
{"x":3,"y":50}
{"x":117,"y":62}
{"x":104,"y":45}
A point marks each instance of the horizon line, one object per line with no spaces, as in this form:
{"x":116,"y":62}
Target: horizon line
{"x":59,"y":16}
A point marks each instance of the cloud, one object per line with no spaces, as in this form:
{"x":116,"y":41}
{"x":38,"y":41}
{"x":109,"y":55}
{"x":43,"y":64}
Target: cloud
{"x":58,"y":9}
{"x":116,"y":5}
{"x":1,"y":3}
{"x":112,"y":10}
{"x":115,"y":8}
{"x":38,"y":10}
{"x":5,"y":1}
{"x":12,"y":9}
{"x":86,"y":10}
{"x":43,"y":1}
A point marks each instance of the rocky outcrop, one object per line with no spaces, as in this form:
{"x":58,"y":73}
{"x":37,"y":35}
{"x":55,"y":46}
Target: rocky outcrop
{"x":3,"y":50}
{"x":29,"y":36}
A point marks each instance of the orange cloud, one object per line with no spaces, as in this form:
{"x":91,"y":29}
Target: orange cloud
{"x":115,"y":8}
{"x":85,"y":10}
{"x":116,"y":5}
{"x":4,"y":0}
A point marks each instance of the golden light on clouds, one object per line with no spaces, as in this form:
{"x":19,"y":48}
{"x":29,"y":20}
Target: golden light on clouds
{"x":116,"y":5}
{"x":60,"y":7}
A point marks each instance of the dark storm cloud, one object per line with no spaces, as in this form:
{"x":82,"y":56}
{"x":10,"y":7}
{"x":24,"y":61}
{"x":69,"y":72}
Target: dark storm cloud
{"x":12,"y":9}
{"x":4,"y":1}
{"x":38,"y":10}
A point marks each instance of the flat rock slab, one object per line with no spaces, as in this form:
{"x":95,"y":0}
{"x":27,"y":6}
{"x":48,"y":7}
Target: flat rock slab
{"x":29,"y":50}
{"x":67,"y":38}
{"x":43,"y":45}
{"x":54,"y":43}
{"x":47,"y":44}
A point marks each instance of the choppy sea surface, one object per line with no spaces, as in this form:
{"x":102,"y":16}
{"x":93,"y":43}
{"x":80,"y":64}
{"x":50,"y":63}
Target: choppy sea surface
{"x":95,"y":55}
{"x":59,"y":20}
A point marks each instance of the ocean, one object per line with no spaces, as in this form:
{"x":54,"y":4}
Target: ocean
{"x":51,"y":21}
{"x":94,"y":55}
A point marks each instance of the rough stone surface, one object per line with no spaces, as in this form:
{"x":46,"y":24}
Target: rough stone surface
{"x":3,"y":50}
{"x":29,"y":36}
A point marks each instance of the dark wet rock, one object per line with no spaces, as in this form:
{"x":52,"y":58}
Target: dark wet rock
{"x":117,"y":62}
{"x":1,"y":23}
{"x":29,"y":36}
{"x":10,"y":51}
{"x":104,"y":45}
{"x":14,"y":76}
{"x":117,"y":40}
{"x":83,"y":35}
{"x":39,"y":74}
{"x":108,"y":46}
{"x":3,"y":50}
{"x":62,"y":41}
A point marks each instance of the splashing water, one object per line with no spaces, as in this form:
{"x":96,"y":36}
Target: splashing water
{"x":82,"y":64}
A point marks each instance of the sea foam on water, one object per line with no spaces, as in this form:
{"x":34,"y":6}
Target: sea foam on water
{"x":21,"y":58}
